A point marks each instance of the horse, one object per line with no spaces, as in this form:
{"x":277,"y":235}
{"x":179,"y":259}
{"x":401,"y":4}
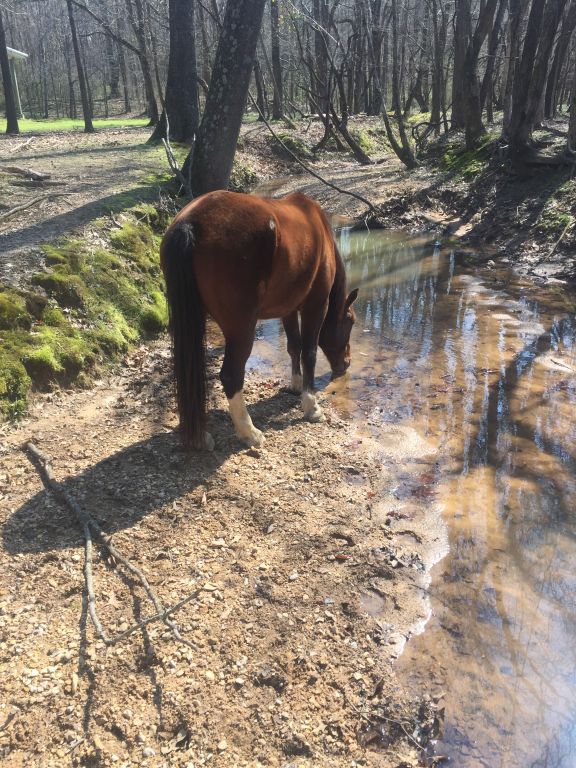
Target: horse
{"x":240,"y":259}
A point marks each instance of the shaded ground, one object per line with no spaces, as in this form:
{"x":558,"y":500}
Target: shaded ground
{"x":97,"y":174}
{"x":306,"y":594}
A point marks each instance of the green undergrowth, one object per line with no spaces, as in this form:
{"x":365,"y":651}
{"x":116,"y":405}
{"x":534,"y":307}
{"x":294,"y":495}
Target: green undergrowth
{"x":294,"y":144}
{"x":371,"y":140}
{"x":243,"y":178}
{"x":92,"y":302}
{"x":467,"y":163}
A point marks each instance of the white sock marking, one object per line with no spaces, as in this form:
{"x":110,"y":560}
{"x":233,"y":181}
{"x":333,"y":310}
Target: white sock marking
{"x":312,"y":410}
{"x":243,"y":425}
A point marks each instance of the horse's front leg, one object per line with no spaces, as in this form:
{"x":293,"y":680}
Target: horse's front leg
{"x":236,"y":354}
{"x":294,"y":339}
{"x":311,"y":325}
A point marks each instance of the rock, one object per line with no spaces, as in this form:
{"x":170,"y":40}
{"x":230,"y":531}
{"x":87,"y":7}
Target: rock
{"x":210,"y":676}
{"x":222,"y":745}
{"x":148,"y":752}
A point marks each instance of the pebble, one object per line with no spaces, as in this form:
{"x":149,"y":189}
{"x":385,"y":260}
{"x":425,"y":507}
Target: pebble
{"x":148,"y":752}
{"x":209,"y":675}
{"x":222,"y":745}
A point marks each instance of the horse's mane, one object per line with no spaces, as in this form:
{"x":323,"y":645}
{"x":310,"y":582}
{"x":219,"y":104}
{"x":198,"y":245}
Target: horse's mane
{"x":337,"y":293}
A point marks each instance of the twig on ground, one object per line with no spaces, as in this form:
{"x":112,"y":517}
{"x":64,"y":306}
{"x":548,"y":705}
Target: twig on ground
{"x":371,"y":207}
{"x":564,"y":231}
{"x":24,"y":144}
{"x":91,"y":529}
{"x":30,"y":203}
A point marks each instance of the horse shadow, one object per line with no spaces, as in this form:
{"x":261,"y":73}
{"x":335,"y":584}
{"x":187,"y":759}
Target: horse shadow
{"x":150,"y":476}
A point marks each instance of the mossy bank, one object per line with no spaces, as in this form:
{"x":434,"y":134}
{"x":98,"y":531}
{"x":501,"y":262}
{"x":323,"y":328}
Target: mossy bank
{"x":93,"y":299}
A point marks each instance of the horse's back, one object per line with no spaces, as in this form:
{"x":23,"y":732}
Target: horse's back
{"x":254,"y":254}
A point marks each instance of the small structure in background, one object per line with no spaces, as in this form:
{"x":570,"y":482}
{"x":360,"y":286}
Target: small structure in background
{"x":13,"y":56}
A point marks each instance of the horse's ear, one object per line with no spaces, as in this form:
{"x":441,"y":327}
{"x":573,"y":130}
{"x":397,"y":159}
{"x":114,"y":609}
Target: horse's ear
{"x":353,"y":295}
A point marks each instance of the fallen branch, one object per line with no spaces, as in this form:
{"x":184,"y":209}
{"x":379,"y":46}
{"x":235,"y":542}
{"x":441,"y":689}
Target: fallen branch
{"x":28,"y":173}
{"x":371,"y":207}
{"x":92,"y":530}
{"x":29,"y":204}
{"x":38,"y":183}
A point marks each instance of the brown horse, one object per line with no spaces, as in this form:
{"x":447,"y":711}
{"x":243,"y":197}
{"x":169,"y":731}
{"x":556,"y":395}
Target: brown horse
{"x":240,"y":259}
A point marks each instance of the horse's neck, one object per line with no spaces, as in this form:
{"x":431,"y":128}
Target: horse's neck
{"x":337,"y":293}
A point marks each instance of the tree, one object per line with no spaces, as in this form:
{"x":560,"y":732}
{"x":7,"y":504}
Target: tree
{"x":213,"y":153}
{"x":181,"y":100}
{"x":278,"y":97}
{"x":86,"y":107}
{"x":473,"y":105}
{"x":543,"y":22}
{"x":11,"y":113}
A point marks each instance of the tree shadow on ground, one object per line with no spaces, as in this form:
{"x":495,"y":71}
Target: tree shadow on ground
{"x":64,"y":223}
{"x":125,"y":487}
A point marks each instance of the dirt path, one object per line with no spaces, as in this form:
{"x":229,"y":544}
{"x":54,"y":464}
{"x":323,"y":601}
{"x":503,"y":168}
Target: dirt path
{"x":100,"y":173}
{"x":307,"y":589}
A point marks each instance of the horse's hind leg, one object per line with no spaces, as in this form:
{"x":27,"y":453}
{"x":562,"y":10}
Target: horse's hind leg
{"x":237,"y":352}
{"x":292,"y":329}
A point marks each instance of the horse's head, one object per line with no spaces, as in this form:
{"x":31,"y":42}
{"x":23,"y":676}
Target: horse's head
{"x":335,"y":337}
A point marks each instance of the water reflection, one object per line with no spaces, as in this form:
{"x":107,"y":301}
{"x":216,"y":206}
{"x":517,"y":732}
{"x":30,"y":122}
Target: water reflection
{"x":485,"y":366}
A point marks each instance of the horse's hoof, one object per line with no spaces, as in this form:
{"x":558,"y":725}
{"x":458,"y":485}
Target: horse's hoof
{"x":255,"y":439}
{"x":315,"y":417}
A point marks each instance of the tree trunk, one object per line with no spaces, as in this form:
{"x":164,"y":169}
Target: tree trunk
{"x":571,"y":146}
{"x":551,"y":99}
{"x":11,"y":113}
{"x":181,"y":101}
{"x":143,"y":57}
{"x":474,"y":125}
{"x":462,"y":35}
{"x":86,"y":110}
{"x":213,"y":154}
{"x":512,"y":61}
{"x":278,"y":95}
{"x":531,"y":75}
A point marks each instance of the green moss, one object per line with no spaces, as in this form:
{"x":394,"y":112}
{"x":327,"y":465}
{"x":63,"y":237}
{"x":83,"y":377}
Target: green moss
{"x":296,"y":145}
{"x":101,"y":300}
{"x":13,"y":312}
{"x":41,"y":365}
{"x":243,"y":178}
{"x":67,"y":289}
{"x":554,"y":218}
{"x":467,"y":162}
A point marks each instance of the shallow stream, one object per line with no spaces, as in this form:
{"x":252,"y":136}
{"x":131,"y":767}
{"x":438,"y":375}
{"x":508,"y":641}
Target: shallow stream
{"x":482,"y":365}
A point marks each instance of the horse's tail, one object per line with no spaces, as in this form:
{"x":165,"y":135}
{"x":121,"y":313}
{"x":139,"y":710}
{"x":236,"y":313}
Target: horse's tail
{"x":188,"y":330}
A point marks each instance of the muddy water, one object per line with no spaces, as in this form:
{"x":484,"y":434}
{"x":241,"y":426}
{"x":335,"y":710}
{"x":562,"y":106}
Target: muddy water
{"x":483,"y":366}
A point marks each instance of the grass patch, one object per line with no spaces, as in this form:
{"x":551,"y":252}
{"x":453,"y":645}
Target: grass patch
{"x":554,"y":218}
{"x":67,"y":124}
{"x":466,"y":162}
{"x":92,"y":303}
{"x":296,"y":145}
{"x":243,"y":178}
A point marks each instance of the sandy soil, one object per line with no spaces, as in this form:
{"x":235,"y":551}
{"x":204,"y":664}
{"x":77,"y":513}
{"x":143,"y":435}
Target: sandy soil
{"x":305,"y":582}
